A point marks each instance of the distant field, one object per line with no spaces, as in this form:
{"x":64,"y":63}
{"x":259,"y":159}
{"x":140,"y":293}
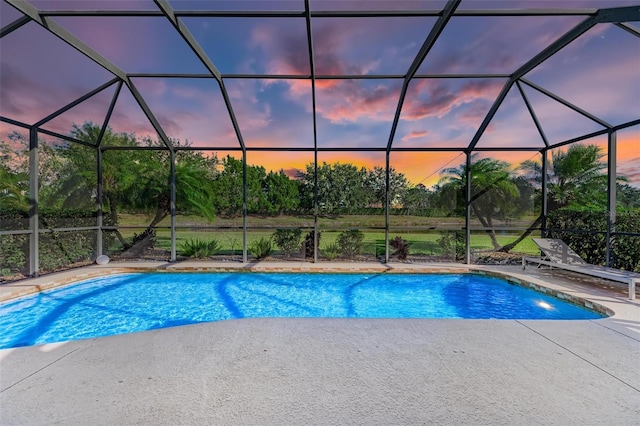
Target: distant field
{"x":421,"y":241}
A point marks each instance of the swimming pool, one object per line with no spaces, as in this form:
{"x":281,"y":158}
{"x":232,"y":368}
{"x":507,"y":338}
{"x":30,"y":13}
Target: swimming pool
{"x":136,"y":302}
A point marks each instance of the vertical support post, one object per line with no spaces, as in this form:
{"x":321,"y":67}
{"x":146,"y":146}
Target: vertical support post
{"x":467,"y":216}
{"x":34,"y":221}
{"x":387,"y":184}
{"x":244,"y":206}
{"x":545,"y":200}
{"x":312,"y":68}
{"x":611,"y":194}
{"x":172,"y":205}
{"x":315,"y":206}
{"x":99,"y":220}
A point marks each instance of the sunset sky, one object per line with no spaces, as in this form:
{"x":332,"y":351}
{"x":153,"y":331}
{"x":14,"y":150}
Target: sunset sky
{"x":599,"y":72}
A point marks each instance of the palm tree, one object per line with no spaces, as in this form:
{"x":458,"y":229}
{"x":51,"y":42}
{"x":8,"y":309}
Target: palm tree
{"x":14,"y":177}
{"x":14,"y":189}
{"x":193,"y":192}
{"x":574,"y":178}
{"x":492,"y":190}
{"x":135,"y":179}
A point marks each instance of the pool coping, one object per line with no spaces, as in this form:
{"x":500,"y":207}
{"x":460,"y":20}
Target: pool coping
{"x":325,"y":370}
{"x":586,"y":295}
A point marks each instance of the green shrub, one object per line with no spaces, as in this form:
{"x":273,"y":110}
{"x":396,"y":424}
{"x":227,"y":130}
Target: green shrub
{"x":261,"y":248}
{"x":13,"y":258}
{"x":61,"y":249}
{"x":400,"y":246}
{"x":350,"y":242}
{"x":57,"y":250}
{"x":452,"y":243}
{"x":570,"y":224}
{"x":308,"y":244}
{"x":199,"y":248}
{"x":331,"y":251}
{"x":288,"y":240}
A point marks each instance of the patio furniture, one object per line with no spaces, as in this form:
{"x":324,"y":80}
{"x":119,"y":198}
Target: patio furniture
{"x":559,"y":255}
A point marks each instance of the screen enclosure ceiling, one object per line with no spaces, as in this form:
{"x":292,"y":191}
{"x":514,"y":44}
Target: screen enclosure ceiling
{"x":320,"y":75}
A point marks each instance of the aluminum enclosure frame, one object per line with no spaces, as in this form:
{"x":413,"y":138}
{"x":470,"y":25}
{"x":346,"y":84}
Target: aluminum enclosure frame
{"x":616,"y":16}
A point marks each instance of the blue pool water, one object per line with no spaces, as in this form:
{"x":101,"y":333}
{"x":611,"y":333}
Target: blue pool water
{"x":136,"y":302}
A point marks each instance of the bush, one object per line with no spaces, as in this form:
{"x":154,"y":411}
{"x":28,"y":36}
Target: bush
{"x":261,"y":248}
{"x":452,"y":243}
{"x":199,"y":248}
{"x":400,"y":246}
{"x":288,"y":240}
{"x":350,"y":242}
{"x":59,"y":250}
{"x":331,"y":251}
{"x":13,"y":254}
{"x":570,"y":224}
{"x":309,"y":248}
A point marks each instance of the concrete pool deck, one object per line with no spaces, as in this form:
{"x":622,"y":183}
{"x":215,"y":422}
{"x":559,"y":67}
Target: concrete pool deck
{"x":276,"y":371}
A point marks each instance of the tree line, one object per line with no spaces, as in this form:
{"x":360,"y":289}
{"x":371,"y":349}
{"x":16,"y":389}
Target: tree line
{"x":209,"y":186}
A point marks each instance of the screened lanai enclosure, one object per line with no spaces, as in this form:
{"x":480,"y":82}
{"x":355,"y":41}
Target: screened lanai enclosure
{"x":315,"y":130}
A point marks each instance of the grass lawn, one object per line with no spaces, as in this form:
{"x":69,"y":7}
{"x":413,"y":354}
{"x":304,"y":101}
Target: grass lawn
{"x":421,"y":241}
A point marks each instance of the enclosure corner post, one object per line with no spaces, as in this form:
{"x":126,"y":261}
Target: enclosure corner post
{"x":315,"y":206}
{"x":172,"y":179}
{"x":244,"y":206}
{"x":467,"y":214}
{"x":99,"y":220}
{"x":34,"y":221}
{"x":545,"y":201}
{"x":386,"y":210}
{"x":611,"y":194}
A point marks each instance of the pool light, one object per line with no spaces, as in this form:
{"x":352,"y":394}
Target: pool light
{"x":544,"y":305}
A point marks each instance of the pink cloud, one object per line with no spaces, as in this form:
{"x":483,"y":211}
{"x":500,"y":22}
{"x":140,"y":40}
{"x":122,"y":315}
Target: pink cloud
{"x":339,"y":101}
{"x":613,"y":91}
{"x":19,"y":99}
{"x":40,"y":74}
{"x":414,"y":135}
{"x":109,"y":35}
{"x":341,"y":45}
{"x":151,"y":86}
{"x":284,"y":44}
{"x":512,"y":126}
{"x":630,"y":168}
{"x":188,"y":110}
{"x":358,"y":46}
{"x":262,"y":117}
{"x":473,"y":115}
{"x":441,"y":99}
{"x":329,"y":42}
{"x":471,"y":45}
{"x":252,"y":114}
{"x":293,"y":173}
{"x":613,"y":87}
{"x":351,"y":100}
{"x":30,"y":101}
